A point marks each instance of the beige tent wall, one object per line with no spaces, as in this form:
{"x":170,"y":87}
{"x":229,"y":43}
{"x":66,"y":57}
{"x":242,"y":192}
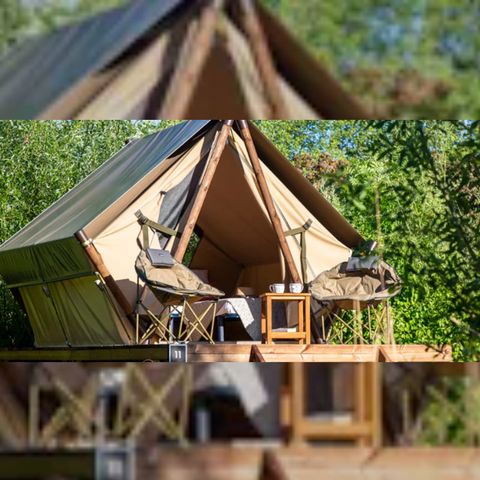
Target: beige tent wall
{"x":230,"y":86}
{"x":323,"y":250}
{"x":252,"y":87}
{"x":135,"y":87}
{"x":218,"y":93}
{"x":236,"y":226}
{"x":117,"y":242}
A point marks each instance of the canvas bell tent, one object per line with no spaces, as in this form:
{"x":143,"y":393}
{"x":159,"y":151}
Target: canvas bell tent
{"x":171,"y":59}
{"x":73,"y":267}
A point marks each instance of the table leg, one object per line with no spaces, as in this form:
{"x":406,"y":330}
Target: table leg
{"x":308,"y":323}
{"x":269,"y":320}
{"x":301,"y":328}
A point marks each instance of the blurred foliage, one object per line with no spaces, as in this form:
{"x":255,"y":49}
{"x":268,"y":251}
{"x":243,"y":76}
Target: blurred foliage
{"x":403,"y":58}
{"x":450,"y":414}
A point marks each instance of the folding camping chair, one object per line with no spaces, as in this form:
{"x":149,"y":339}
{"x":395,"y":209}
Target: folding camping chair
{"x":356,"y":285}
{"x":73,"y":417}
{"x":176,"y":288}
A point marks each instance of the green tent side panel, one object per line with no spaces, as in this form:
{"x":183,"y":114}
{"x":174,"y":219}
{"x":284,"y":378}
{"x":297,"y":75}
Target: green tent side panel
{"x":73,"y":312}
{"x":43,"y":317}
{"x":86,"y":313}
{"x":45,"y":263}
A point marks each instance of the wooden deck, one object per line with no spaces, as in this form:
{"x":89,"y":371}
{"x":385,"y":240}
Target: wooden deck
{"x":242,"y":352}
{"x":237,"y":352}
{"x":249,"y":462}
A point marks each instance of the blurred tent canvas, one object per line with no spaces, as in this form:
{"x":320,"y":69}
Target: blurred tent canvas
{"x":172,"y":59}
{"x":103,"y":265}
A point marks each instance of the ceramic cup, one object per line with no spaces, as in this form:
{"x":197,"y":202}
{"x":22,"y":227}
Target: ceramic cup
{"x":277,"y":288}
{"x":295,"y":287}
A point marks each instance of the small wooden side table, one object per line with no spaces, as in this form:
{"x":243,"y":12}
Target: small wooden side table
{"x":302,"y":335}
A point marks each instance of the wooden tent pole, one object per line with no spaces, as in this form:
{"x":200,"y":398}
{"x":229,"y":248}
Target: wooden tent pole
{"x":272,"y":469}
{"x":263,"y":57}
{"x":211,"y":167}
{"x":101,"y":268}
{"x":267,"y":198}
{"x":193,"y":56}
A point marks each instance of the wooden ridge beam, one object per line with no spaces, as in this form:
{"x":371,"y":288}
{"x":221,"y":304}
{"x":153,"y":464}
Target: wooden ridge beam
{"x":192,"y":58}
{"x":210,"y":169}
{"x":264,"y":60}
{"x":268,"y":200}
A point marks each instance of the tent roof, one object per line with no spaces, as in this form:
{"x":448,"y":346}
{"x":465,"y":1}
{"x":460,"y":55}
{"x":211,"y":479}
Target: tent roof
{"x":104,"y":186}
{"x":74,"y":53}
{"x":27,"y":84}
{"x":99,"y":191}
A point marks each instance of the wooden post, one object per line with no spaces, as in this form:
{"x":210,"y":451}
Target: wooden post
{"x":285,"y":403}
{"x":259,"y":45}
{"x":308,"y":322}
{"x":375,"y":404}
{"x":211,"y":167}
{"x":192,"y":57}
{"x":33,"y":413}
{"x":272,"y":468}
{"x":267,"y":198}
{"x":361,"y":399}
{"x":100,"y":266}
{"x":256,"y":355}
{"x":297,"y":402}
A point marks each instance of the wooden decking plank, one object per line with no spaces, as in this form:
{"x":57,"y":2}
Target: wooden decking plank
{"x":233,"y":352}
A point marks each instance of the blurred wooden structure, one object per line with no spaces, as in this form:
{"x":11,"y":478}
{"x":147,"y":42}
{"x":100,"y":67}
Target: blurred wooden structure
{"x":70,"y":405}
{"x":57,"y":405}
{"x":365,"y":426}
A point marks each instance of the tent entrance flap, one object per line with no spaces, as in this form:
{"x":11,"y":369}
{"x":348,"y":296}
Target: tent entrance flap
{"x":236,"y":234}
{"x":176,"y":200}
{"x":212,"y":163}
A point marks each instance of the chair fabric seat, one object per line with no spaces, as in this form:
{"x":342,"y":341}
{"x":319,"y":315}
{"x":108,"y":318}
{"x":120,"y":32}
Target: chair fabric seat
{"x":176,"y":281}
